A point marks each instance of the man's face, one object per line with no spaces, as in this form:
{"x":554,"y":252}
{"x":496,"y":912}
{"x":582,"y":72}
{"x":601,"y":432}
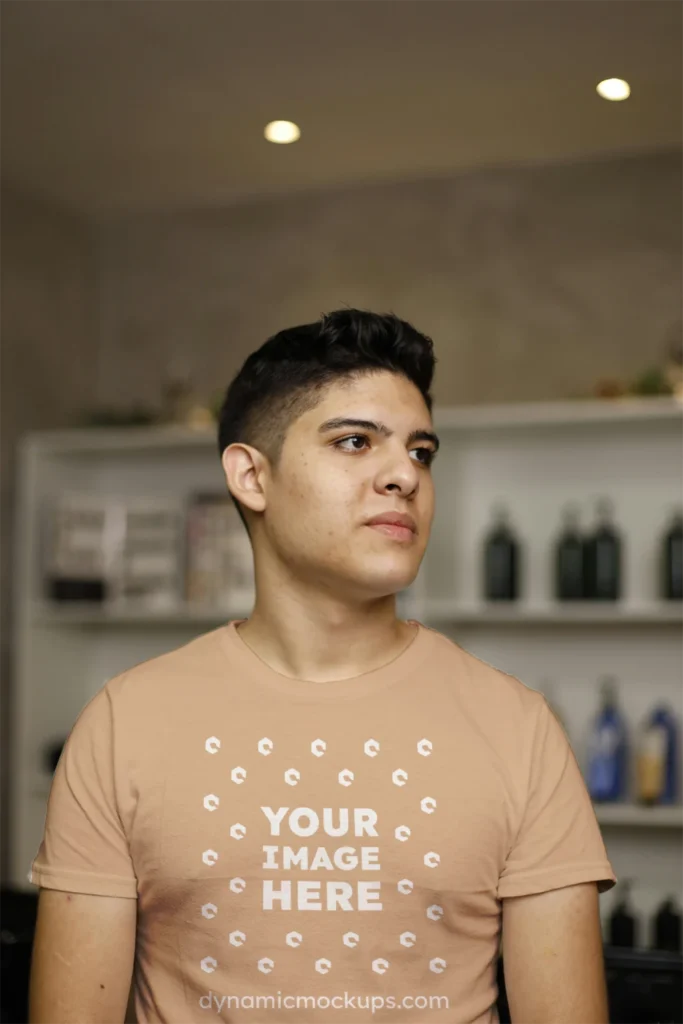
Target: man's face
{"x":333,"y":478}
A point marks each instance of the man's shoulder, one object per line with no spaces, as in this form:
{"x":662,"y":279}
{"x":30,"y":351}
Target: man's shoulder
{"x":483,"y":681}
{"x":197,"y":659}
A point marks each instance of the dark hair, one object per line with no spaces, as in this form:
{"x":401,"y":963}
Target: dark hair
{"x":285,"y":377}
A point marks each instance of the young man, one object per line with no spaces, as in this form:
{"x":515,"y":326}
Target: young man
{"x":322,"y":812}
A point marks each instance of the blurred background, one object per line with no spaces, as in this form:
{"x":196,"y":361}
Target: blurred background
{"x":505,"y":175}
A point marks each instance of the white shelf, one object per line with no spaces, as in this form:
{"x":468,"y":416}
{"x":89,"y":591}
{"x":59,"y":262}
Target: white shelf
{"x":569,"y":413}
{"x":571,"y":614}
{"x":627,"y":815}
{"x":99,"y":440}
{"x":445,"y":612}
{"x":79,"y":614}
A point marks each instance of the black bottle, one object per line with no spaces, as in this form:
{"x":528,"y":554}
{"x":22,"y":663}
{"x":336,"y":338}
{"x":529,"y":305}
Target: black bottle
{"x":602,"y":557}
{"x":621,"y":925}
{"x":569,"y":553}
{"x":672,"y":560}
{"x":501,"y":559}
{"x":52,"y":752}
{"x":666,"y":927}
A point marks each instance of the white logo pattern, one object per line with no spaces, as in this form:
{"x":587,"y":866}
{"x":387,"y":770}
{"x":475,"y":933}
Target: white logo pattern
{"x":345,"y":777}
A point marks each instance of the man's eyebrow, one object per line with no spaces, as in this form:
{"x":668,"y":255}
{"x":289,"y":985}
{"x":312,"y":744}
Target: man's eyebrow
{"x":377,"y":428}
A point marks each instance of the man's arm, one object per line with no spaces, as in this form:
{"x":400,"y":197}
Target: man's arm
{"x":553,"y":957}
{"x":82,"y":960}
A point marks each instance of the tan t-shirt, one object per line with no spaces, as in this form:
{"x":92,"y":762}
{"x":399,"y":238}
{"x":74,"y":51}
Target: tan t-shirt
{"x":325,"y":852}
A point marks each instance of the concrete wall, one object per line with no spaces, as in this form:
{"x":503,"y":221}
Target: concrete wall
{"x":532,"y":281}
{"x":49,"y":356}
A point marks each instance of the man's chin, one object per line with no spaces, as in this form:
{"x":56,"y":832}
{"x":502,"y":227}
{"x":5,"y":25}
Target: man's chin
{"x":385,"y":582}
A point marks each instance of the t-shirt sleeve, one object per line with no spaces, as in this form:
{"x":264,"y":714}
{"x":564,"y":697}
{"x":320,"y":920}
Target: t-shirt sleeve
{"x":84,"y":847}
{"x":558,"y":841}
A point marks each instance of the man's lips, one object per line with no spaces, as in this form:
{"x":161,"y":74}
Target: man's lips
{"x":393,"y":530}
{"x":399,"y":525}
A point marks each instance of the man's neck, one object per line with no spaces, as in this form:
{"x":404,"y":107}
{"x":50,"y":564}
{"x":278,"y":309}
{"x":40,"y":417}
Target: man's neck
{"x":325,"y":643}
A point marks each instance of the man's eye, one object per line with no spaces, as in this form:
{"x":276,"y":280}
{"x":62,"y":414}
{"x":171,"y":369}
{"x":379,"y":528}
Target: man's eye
{"x":427,"y":455}
{"x":353,"y":437}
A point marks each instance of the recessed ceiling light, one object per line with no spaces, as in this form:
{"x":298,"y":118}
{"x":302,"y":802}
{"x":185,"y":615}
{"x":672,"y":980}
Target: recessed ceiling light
{"x":282,"y":132}
{"x":614,"y":89}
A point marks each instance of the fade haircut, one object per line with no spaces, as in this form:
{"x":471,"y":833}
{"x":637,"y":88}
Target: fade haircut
{"x":288,"y":374}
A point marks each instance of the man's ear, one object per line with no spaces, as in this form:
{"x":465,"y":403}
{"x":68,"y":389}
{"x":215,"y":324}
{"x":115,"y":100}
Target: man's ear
{"x":246,"y":471}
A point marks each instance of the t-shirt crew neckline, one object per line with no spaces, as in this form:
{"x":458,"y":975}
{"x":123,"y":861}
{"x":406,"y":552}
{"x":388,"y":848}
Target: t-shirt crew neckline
{"x":243,"y":659}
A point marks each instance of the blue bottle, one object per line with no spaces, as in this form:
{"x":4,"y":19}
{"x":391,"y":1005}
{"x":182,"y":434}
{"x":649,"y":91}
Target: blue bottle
{"x":657,"y":758}
{"x":607,"y":748}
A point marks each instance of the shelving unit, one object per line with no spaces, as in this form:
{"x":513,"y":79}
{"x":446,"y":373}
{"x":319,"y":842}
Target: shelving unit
{"x":535,"y":457}
{"x":441,"y":612}
{"x":84,"y":615}
{"x":574,"y":614}
{"x":628,"y":815}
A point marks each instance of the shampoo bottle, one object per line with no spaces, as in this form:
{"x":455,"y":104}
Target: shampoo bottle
{"x":569,"y":556}
{"x":602,"y":556}
{"x":672,"y":560}
{"x":621,"y":924}
{"x":607,"y":748}
{"x":501,"y":558}
{"x":656,"y":758}
{"x":666,"y":927}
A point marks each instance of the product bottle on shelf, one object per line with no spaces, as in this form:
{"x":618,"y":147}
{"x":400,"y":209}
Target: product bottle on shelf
{"x":671,"y":582}
{"x":656,"y":758}
{"x":501,"y":558}
{"x":607,"y":780}
{"x":569,"y":555}
{"x":602,"y":556}
{"x":666,"y":927}
{"x":621,"y":924}
{"x":52,"y":751}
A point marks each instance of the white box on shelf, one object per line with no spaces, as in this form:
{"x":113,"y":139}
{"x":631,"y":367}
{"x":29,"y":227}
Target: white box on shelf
{"x":146,"y":568}
{"x":220,"y":567}
{"x":81,"y":537}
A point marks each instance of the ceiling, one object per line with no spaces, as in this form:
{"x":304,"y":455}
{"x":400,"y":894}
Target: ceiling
{"x":112,"y":105}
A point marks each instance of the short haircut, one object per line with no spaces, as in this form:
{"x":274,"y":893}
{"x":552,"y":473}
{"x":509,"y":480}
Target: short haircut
{"x":289,"y":373}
